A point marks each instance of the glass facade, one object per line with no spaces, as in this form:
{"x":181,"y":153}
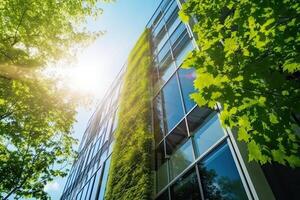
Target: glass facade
{"x":191,"y":145}
{"x":194,"y":157}
{"x":88,"y":176}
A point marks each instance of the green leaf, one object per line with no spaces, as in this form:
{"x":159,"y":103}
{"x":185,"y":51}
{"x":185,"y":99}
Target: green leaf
{"x":273,"y":118}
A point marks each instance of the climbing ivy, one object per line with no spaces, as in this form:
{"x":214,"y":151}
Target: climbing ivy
{"x":249,"y":61}
{"x":130,"y":171}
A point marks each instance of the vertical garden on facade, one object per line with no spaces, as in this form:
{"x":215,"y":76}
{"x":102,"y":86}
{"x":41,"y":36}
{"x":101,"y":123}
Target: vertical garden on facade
{"x":130,"y":171}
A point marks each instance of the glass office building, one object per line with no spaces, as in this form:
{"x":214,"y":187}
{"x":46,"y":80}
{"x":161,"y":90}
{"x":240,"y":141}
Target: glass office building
{"x":194,"y":157}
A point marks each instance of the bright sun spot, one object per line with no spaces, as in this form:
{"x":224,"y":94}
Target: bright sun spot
{"x":83,"y":78}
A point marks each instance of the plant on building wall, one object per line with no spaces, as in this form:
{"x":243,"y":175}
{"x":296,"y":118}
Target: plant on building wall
{"x":249,"y":61}
{"x":131,"y":158}
{"x":36,"y":116}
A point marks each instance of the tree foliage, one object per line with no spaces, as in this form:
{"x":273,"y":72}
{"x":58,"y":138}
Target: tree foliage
{"x":33,"y":33}
{"x":35,"y":137}
{"x":249,"y":61}
{"x":131,"y":157}
{"x":36,"y":116}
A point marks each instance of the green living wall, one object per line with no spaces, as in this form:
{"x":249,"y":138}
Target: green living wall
{"x":130,"y":172}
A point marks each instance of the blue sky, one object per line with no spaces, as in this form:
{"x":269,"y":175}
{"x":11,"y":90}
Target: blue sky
{"x":123,"y":21}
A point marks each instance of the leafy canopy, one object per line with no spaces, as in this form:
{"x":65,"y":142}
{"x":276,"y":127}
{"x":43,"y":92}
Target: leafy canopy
{"x":36,"y":115}
{"x":249,"y":61}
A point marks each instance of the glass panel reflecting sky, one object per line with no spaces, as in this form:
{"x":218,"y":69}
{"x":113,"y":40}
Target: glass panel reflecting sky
{"x":207,"y":135}
{"x":220,"y":178}
{"x":181,"y":158}
{"x":186,"y":187}
{"x":187,"y":77}
{"x":171,"y":101}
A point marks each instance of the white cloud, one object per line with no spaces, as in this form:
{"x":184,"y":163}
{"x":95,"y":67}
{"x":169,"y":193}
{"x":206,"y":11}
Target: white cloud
{"x":51,"y":186}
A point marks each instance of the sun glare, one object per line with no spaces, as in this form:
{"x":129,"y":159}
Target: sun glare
{"x":83,"y":78}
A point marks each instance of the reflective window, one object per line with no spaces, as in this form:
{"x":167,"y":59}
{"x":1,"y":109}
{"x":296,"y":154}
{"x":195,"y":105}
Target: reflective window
{"x":163,"y":52}
{"x":158,"y":119}
{"x":173,"y":25}
{"x":162,"y":176}
{"x":186,"y":187}
{"x":219,"y":176}
{"x":207,"y":135}
{"x":158,"y":28}
{"x":161,"y":41}
{"x":163,"y":196}
{"x":96,"y":184}
{"x":90,"y":189}
{"x":172,"y":105}
{"x":84,"y":191}
{"x":181,"y":159}
{"x":173,"y":9}
{"x":197,"y":117}
{"x":177,"y":137}
{"x":166,"y":69}
{"x":104,"y":179}
{"x":161,"y":167}
{"x":177,"y":33}
{"x":183,"y":51}
{"x":186,"y":78}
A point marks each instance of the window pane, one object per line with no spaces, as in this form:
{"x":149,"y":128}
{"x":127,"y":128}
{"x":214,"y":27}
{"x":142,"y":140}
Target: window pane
{"x":162,"y":176}
{"x":158,"y":28}
{"x":176,"y":138}
{"x":166,"y":69}
{"x":183,"y":51}
{"x":219,"y":176}
{"x":181,"y":159}
{"x":104,"y":179}
{"x":172,"y":10}
{"x":186,"y":187}
{"x":164,"y":52}
{"x":158,"y":119}
{"x":161,"y":41}
{"x":207,"y":135}
{"x":90,"y":188}
{"x":163,"y":196}
{"x":96,"y":184}
{"x":161,"y":166}
{"x":177,"y":33}
{"x":187,"y":77}
{"x":174,"y":25}
{"x":172,"y":105}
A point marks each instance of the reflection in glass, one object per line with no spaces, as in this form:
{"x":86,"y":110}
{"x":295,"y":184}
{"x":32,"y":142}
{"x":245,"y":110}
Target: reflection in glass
{"x":171,"y":10}
{"x":186,"y":187}
{"x":177,"y":33}
{"x":171,"y":101}
{"x":104,"y":179}
{"x":158,"y":119}
{"x":207,"y":135}
{"x":90,"y":188}
{"x":176,"y":138}
{"x":163,"y":196}
{"x":181,"y":159}
{"x":161,"y":167}
{"x":220,"y":178}
{"x":183,"y":50}
{"x":96,"y":183}
{"x":162,"y":176}
{"x":186,"y":78}
{"x":173,"y":26}
{"x":166,"y":69}
{"x":164,"y":52}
